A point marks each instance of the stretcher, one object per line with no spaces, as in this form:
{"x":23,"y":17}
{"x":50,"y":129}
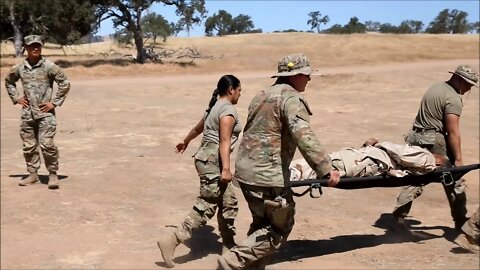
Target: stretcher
{"x":446,"y":176}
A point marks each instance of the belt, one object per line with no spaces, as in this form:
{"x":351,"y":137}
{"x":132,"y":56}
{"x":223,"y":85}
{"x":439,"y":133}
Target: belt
{"x":416,"y":129}
{"x":205,"y":144}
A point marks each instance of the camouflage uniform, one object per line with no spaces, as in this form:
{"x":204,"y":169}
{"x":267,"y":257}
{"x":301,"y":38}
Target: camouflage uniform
{"x":428,"y":132}
{"x":214,"y":194}
{"x":38,"y":128}
{"x":278,"y":122}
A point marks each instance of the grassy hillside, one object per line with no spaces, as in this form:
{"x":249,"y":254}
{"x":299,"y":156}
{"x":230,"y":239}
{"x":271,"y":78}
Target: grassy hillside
{"x":252,"y":52}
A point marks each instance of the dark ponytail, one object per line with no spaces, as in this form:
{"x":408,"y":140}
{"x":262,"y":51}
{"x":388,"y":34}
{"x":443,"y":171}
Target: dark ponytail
{"x":225,"y":82}
{"x":213,"y":100}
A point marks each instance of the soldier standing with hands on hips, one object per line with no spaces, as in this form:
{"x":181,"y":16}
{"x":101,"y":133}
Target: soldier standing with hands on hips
{"x":38,"y":121}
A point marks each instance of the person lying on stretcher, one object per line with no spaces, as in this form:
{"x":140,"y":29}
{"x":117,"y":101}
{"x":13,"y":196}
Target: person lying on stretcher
{"x":374,"y":158}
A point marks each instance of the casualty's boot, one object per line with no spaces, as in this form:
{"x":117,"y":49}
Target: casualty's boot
{"x":260,"y":264}
{"x":167,"y":246}
{"x":227,"y":243}
{"x":31,"y":179}
{"x":222,"y":264}
{"x":53,"y":181}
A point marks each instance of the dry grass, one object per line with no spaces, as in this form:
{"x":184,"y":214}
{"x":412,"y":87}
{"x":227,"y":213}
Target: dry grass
{"x":259,"y":52}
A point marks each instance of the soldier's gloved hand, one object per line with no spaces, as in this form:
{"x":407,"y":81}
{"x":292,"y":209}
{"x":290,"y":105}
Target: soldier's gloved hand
{"x":180,"y":148}
{"x":46,"y":107}
{"x":226,"y":176}
{"x":333,"y":178}
{"x":23,"y":100}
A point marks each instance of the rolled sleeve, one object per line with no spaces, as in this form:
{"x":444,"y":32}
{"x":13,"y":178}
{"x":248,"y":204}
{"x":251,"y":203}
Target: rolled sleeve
{"x":11,"y":86}
{"x":63,"y":85}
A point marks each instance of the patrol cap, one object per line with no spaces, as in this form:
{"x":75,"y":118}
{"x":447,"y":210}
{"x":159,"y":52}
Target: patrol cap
{"x":30,"y":39}
{"x":467,"y":73}
{"x":293,"y":64}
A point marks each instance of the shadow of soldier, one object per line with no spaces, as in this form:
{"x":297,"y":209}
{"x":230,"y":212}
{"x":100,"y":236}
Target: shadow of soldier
{"x":448,"y":233}
{"x":299,"y":249}
{"x":203,"y":243}
{"x":43,"y":178}
{"x":386,"y":219}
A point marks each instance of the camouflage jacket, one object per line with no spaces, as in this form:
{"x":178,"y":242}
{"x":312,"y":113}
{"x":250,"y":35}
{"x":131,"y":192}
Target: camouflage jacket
{"x":37,"y":82}
{"x":278,"y":122}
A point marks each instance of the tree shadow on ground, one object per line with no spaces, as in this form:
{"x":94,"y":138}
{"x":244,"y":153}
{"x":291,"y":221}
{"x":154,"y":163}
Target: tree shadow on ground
{"x":203,"y":242}
{"x":123,"y":62}
{"x":299,"y":249}
{"x":94,"y":62}
{"x":43,"y":178}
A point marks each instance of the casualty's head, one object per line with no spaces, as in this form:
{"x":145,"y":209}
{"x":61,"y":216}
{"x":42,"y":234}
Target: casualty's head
{"x":33,"y":44}
{"x":466,"y":77}
{"x":297,"y":68}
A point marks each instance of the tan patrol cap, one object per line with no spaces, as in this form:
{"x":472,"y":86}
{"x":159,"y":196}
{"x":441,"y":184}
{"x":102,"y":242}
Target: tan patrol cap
{"x":30,"y":39}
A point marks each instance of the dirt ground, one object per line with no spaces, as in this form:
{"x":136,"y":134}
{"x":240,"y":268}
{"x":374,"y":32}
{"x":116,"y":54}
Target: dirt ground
{"x":122,"y":185}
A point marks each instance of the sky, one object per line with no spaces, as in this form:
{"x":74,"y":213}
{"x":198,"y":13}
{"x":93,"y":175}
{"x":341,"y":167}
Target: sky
{"x":276,"y":15}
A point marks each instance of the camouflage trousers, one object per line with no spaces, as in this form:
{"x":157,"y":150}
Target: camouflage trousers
{"x":37,"y":132}
{"x":214,"y":195}
{"x":472,"y":226}
{"x":269,"y":229}
{"x":435,"y":143}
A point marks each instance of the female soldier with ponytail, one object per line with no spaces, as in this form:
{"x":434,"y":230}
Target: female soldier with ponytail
{"x":220,"y":127}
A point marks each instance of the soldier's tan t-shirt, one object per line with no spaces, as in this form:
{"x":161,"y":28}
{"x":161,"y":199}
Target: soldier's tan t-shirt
{"x":211,"y":128}
{"x":439,"y":100}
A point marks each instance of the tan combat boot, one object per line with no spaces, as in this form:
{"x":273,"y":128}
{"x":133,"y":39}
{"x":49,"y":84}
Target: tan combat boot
{"x":31,"y":179}
{"x":467,"y":243}
{"x":53,"y":181}
{"x":167,"y":246}
{"x":222,"y":264}
{"x":399,"y":224}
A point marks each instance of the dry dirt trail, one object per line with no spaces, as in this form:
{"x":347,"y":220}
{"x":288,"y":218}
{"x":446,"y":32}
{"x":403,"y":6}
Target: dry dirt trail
{"x":122,"y":184}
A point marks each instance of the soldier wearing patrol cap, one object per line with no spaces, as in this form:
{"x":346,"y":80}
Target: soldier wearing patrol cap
{"x":278,"y":122}
{"x":436,"y":128}
{"x":38,"y":121}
